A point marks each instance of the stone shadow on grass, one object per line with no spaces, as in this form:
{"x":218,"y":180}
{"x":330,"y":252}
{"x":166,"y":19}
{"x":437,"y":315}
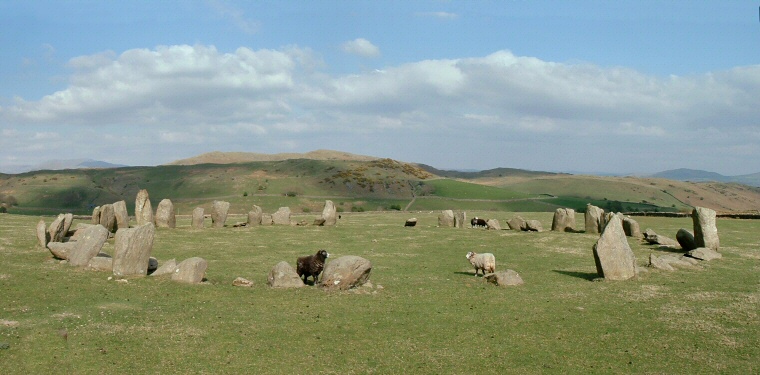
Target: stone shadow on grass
{"x":590,"y":276}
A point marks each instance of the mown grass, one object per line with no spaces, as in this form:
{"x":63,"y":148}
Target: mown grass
{"x":431,"y":315}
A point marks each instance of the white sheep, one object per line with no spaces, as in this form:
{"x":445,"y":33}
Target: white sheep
{"x":485,"y":262}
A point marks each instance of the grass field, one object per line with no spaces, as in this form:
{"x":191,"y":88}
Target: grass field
{"x":425,"y":314}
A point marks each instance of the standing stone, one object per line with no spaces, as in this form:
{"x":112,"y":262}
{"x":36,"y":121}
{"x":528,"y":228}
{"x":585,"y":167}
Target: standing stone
{"x":460,"y":219}
{"x":96,"y":215}
{"x":282,"y":216}
{"x":517,"y":223}
{"x":88,"y":245}
{"x":55,"y":230}
{"x":266,"y":219}
{"x":283,"y":275}
{"x":564,"y":220}
{"x":219,"y":213}
{"x":346,"y":272}
{"x":42,"y":234}
{"x":198,"y":218}
{"x":493,"y":224}
{"x":254,"y":215}
{"x":329,"y":213}
{"x":594,"y":218}
{"x":612,"y":254}
{"x":165,"y":215}
{"x":108,"y":217}
{"x":190,"y":270}
{"x":143,"y":208}
{"x":120,"y":212}
{"x":446,"y":219}
{"x":132,"y":249}
{"x":705,"y":231}
{"x":631,"y":228}
{"x":686,"y":239}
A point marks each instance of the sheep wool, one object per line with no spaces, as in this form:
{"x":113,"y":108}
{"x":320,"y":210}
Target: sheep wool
{"x":485,"y":262}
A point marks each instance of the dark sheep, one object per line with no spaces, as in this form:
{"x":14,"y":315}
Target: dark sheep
{"x":476,"y":222}
{"x":311,"y":265}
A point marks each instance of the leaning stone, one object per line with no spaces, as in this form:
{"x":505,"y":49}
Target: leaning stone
{"x":167,"y":268}
{"x":703,"y":253}
{"x":493,"y":224}
{"x":504,"y":278}
{"x":446,"y":219}
{"x":410,"y":222}
{"x":686,"y":239}
{"x":346,"y":272}
{"x":198,"y":218}
{"x":655,"y":262}
{"x":132,"y":248}
{"x":219,"y":211}
{"x":100,"y":263}
{"x":612,"y":254}
{"x":190,"y":270}
{"x":68,"y":219}
{"x":282,"y":216}
{"x":329,"y":213}
{"x":61,"y":250}
{"x":239,"y":281}
{"x":165,"y":215}
{"x":283,"y":275}
{"x":705,"y":230}
{"x":55,"y":230}
{"x":564,"y":220}
{"x":88,"y":246}
{"x":121,"y":215}
{"x":254,"y":215}
{"x":533,"y":226}
{"x":143,"y":208}
{"x":108,"y":217}
{"x":594,"y":219}
{"x":631,"y":228}
{"x":516,"y":223}
{"x":42,"y":234}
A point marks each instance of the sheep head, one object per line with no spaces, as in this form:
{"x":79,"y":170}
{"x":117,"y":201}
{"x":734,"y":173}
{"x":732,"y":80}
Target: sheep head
{"x":470,"y":255}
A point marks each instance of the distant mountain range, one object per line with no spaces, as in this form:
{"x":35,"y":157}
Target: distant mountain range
{"x":696,"y":175}
{"x":55,"y":165}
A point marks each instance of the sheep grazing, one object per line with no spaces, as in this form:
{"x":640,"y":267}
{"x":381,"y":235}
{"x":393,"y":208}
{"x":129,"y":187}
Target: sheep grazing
{"x":477,"y":222}
{"x":485,"y":262}
{"x":311,"y":265}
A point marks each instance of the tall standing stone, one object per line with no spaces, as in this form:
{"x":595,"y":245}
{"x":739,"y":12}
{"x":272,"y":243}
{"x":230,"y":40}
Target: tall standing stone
{"x":612,"y":254}
{"x":460,"y":219}
{"x":132,"y":249}
{"x":631,"y":228}
{"x":219,"y":213}
{"x":120,"y":212}
{"x":96,"y":215}
{"x":42,"y":234}
{"x":594,"y":218}
{"x":108,"y":217}
{"x":564,"y":220}
{"x":329,"y":213}
{"x":198,"y":218}
{"x":282,"y":216}
{"x":446,"y":219}
{"x":254,"y":215}
{"x":143,"y":208}
{"x":88,"y":245}
{"x":165,"y":215}
{"x":705,"y":230}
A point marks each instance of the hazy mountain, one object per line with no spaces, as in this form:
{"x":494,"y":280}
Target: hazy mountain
{"x":218,"y":157}
{"x":55,"y":165}
{"x":694,"y":175}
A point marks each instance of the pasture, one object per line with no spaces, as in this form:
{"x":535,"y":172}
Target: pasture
{"x":425,"y":313}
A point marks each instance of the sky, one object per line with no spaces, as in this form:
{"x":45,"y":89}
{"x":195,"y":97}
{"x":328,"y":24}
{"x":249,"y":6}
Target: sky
{"x":573,"y":86}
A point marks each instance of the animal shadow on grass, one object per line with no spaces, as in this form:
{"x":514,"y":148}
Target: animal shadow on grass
{"x":590,"y":276}
{"x":465,"y":273}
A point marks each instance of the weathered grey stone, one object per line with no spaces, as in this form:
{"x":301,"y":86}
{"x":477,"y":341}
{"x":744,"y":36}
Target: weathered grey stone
{"x":143,"y":208}
{"x":219,"y":211}
{"x":282,"y":216}
{"x":612,"y":254}
{"x":121,"y":215}
{"x":88,"y":245}
{"x":631,"y":228}
{"x":80,"y":229}
{"x":198,"y":218}
{"x":493,"y":224}
{"x":504,"y":278}
{"x":705,"y":230}
{"x":703,"y":253}
{"x":55,"y":230}
{"x":96,"y":215}
{"x":61,"y":250}
{"x":68,"y":219}
{"x":266,"y":219}
{"x":42,"y":234}
{"x":100,"y":263}
{"x":446,"y":219}
{"x":165,"y":215}
{"x":676,"y":261}
{"x":108,"y":217}
{"x":240,"y":281}
{"x":655,"y":239}
{"x":410,"y":222}
{"x":346,"y":272}
{"x":460,"y":219}
{"x":655,"y":262}
{"x":517,"y":223}
{"x":533,"y":226}
{"x":254,"y":215}
{"x":564,"y":220}
{"x":132,"y":248}
{"x":283,"y":275}
{"x":191,"y":270}
{"x":594,"y":219}
{"x":330,"y":213}
{"x":686,"y":239}
{"x":167,"y":268}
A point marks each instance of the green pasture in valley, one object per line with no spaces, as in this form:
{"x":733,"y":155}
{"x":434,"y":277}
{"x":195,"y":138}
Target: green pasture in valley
{"x":425,"y":312}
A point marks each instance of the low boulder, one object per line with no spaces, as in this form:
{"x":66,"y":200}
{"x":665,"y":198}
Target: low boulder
{"x":346,"y":272}
{"x":533,"y":226}
{"x":239,"y":281}
{"x":517,"y":223}
{"x":191,"y":270}
{"x":283,"y":275}
{"x":101,"y":263}
{"x":686,"y":239}
{"x":61,"y":250}
{"x":493,"y":224}
{"x":88,"y":245}
{"x":167,"y":268}
{"x":504,"y":278}
{"x":410,"y":222}
{"x":660,"y":264}
{"x":703,"y":253}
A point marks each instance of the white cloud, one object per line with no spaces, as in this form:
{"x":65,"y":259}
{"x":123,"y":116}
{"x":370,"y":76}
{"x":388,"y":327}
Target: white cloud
{"x":235,"y":15}
{"x":361,"y":47}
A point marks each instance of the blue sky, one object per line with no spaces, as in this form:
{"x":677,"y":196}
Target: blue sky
{"x":595,"y":86}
